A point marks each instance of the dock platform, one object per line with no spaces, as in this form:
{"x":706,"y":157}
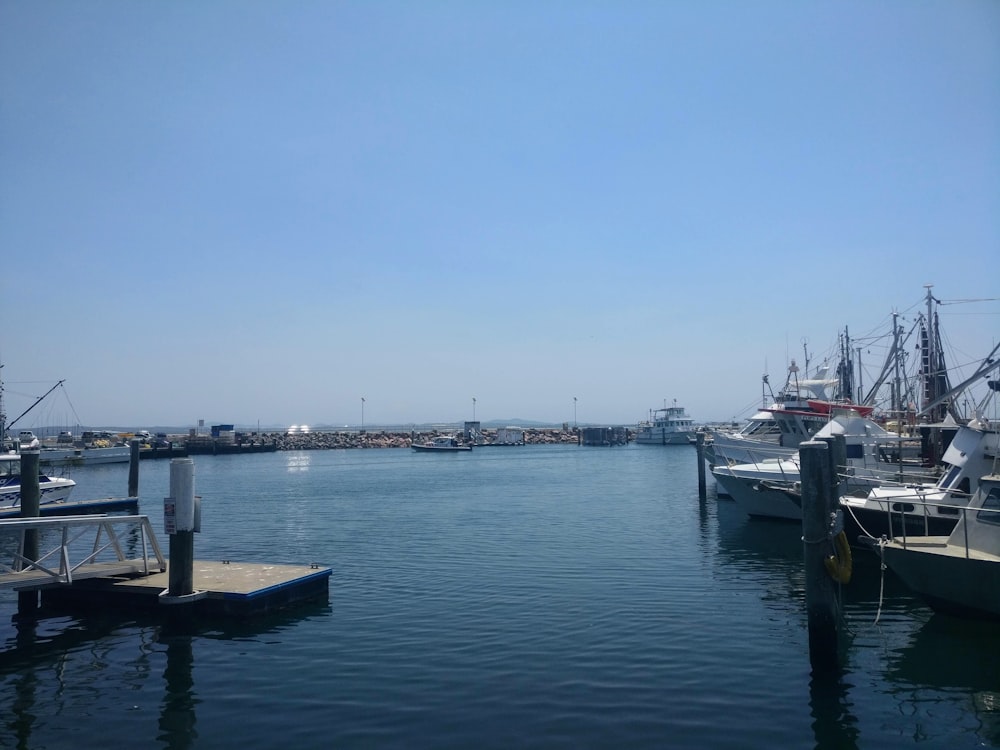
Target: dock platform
{"x":114,"y":562}
{"x":221,"y":588}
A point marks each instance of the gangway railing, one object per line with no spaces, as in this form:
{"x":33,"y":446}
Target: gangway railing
{"x":122,"y":545}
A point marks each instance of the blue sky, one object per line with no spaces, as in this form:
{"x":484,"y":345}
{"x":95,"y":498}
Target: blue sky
{"x":244,"y":211}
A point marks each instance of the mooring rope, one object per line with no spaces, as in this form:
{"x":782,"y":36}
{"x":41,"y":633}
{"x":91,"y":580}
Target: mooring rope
{"x":881,"y":584}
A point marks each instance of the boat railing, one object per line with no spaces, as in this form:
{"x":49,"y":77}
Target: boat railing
{"x":764,"y":459}
{"x":756,"y":455}
{"x":901,"y":506}
{"x":77,"y":547}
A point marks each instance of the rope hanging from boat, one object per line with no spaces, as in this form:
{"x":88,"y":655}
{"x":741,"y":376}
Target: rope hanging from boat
{"x":881,"y":584}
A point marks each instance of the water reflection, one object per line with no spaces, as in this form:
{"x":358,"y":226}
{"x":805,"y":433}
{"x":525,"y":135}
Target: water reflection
{"x":298,"y":461}
{"x":22,"y":717}
{"x":954,"y":655}
{"x":834,"y":725}
{"x":760,"y":553}
{"x":942,"y":674}
{"x":177,"y":713}
{"x":62,"y":665}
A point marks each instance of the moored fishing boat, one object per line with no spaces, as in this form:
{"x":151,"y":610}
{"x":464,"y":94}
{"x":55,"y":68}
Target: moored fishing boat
{"x":84,"y":456}
{"x":768,"y":487}
{"x":958,"y":573}
{"x":927,"y":508}
{"x":777,"y":430}
{"x":667,"y":426}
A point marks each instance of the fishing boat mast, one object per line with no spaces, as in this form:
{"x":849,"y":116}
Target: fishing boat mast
{"x":933,"y":373}
{"x":37,"y":402}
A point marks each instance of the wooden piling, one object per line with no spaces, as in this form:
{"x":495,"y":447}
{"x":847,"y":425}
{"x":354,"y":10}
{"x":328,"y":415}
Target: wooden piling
{"x":702,"y":488}
{"x":31,"y":498}
{"x":133,"y":468}
{"x":821,"y":601}
{"x":837,"y":458}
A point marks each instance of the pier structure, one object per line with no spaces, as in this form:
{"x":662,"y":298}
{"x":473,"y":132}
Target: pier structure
{"x":604,"y":436}
{"x":114,"y":562}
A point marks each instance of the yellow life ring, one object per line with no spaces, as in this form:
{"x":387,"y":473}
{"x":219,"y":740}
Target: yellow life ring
{"x":839,"y":564}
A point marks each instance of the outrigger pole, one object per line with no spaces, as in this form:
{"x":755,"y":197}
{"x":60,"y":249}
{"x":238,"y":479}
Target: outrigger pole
{"x":37,"y":402}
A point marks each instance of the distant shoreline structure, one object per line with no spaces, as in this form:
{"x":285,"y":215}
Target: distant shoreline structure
{"x":384,"y":438}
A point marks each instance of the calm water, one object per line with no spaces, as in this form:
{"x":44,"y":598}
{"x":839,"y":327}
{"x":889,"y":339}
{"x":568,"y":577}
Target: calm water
{"x":512,"y":597}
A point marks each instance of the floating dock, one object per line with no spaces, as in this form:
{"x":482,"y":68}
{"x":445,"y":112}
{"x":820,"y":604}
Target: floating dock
{"x":220,"y":588}
{"x":114,"y":562}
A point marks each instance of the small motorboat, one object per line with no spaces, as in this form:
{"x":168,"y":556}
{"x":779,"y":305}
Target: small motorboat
{"x":51,"y":489}
{"x":441,"y":444}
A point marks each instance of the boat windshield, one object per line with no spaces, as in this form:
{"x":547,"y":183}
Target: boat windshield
{"x":761,"y":429}
{"x":949,"y":479}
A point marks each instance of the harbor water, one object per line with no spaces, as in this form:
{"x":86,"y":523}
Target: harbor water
{"x":528,"y":597}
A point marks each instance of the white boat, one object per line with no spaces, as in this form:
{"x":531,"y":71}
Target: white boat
{"x":769,"y":487}
{"x":51,"y":489}
{"x":667,"y":426}
{"x":928,"y":508}
{"x":958,"y":573}
{"x":84,"y":456}
{"x":799,"y":411}
{"x":441,"y":444}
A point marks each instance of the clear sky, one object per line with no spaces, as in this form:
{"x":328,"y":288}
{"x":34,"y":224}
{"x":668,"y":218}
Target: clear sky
{"x":245,"y":211}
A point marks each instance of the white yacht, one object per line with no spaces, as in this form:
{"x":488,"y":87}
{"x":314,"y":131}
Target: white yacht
{"x":51,"y":489}
{"x":667,"y":426}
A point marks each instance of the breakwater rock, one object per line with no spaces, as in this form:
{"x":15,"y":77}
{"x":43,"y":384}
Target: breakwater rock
{"x":305,"y":441}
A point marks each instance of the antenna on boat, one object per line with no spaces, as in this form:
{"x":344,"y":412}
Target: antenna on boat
{"x":3,"y":414}
{"x":793,"y":374}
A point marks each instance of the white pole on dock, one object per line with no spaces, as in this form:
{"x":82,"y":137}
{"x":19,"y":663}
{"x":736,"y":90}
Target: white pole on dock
{"x":179,"y":523}
{"x":821,"y":602}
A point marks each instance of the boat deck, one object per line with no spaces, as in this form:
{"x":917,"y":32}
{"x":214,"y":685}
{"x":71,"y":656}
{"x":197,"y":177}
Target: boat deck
{"x":938,"y":545}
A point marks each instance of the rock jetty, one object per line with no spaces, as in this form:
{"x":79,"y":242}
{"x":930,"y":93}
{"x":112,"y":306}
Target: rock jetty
{"x":304,"y":441}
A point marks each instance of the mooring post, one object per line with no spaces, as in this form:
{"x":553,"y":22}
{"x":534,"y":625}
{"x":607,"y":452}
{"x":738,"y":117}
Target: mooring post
{"x":133,"y":468}
{"x":179,"y":523}
{"x":702,"y":490}
{"x":837,"y":458}
{"x":821,"y":602}
{"x":31,"y":499}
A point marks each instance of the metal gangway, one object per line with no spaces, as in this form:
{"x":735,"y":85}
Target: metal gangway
{"x":122,"y":545}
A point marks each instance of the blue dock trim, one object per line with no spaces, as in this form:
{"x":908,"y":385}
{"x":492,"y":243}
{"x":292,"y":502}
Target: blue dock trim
{"x":295,"y":583}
